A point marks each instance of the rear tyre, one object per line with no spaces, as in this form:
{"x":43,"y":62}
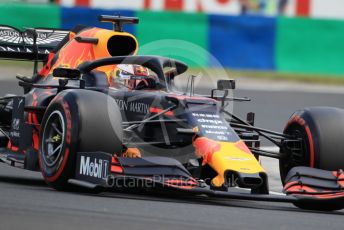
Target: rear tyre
{"x":321,"y":130}
{"x":77,"y":121}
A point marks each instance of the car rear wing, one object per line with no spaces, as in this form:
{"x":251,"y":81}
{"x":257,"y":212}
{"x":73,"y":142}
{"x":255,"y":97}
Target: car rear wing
{"x":31,"y":44}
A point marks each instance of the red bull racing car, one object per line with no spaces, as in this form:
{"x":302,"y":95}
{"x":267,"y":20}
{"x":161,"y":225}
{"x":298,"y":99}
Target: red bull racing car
{"x":96,"y":115}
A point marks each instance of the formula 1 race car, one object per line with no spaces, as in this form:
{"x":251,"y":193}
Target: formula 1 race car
{"x":98,"y":116}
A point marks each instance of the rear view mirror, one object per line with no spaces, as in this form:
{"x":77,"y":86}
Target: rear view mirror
{"x":67,"y":73}
{"x":225,"y":84}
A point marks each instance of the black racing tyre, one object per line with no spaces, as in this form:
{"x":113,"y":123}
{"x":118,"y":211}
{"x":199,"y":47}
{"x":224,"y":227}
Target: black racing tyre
{"x":31,"y":160}
{"x":3,"y":140}
{"x":322,"y":132}
{"x":77,"y":121}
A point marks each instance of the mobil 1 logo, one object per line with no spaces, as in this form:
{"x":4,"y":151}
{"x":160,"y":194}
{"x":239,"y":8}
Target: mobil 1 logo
{"x":93,"y":167}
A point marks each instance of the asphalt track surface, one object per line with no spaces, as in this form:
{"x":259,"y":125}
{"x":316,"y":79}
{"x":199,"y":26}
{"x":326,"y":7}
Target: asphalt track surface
{"x":27,"y":203}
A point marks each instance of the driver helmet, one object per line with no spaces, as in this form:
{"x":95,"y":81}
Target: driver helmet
{"x":132,"y":77}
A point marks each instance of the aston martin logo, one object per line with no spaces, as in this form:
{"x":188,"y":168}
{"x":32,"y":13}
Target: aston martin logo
{"x":9,"y":35}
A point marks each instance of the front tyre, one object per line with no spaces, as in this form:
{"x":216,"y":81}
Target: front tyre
{"x":321,"y":131}
{"x":57,"y":141}
{"x":77,"y":121}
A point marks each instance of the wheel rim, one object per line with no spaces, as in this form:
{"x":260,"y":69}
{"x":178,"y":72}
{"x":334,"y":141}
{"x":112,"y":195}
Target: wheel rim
{"x":53,"y":139}
{"x":297,"y":154}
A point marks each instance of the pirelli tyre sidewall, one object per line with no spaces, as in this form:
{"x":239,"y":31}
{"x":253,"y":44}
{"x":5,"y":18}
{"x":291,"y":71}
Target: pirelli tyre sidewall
{"x":322,"y":132}
{"x":57,"y":173}
{"x":87,"y":127}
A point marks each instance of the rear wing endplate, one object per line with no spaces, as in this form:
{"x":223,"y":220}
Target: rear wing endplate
{"x":19,"y":45}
